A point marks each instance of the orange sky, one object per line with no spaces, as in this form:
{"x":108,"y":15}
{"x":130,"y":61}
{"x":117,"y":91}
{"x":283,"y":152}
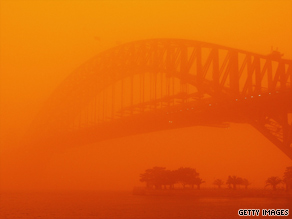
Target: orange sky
{"x":42,"y":42}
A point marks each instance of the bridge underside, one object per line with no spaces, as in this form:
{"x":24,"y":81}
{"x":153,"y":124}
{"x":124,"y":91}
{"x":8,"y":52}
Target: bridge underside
{"x":274,"y":125}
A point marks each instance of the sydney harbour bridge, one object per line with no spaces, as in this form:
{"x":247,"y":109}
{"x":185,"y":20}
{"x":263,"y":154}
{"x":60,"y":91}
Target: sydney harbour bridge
{"x":159,"y":84}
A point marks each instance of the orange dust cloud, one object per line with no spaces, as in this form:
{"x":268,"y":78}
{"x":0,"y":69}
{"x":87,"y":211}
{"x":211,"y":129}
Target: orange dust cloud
{"x":43,"y":42}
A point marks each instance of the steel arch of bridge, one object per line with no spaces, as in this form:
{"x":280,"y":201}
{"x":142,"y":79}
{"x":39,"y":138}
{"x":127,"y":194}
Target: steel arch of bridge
{"x":188,"y":83}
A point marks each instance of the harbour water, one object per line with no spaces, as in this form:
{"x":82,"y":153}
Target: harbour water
{"x":125,"y":205}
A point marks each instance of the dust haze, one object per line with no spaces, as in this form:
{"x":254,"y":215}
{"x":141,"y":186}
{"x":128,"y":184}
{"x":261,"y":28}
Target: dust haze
{"x":43,"y":42}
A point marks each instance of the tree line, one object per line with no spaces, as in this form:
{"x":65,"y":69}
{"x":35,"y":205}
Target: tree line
{"x":160,"y":177}
{"x":232,"y":182}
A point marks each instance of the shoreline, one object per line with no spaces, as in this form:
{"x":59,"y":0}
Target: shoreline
{"x":212,"y":192}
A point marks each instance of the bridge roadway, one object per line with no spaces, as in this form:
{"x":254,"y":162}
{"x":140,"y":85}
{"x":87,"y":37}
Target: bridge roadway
{"x":145,"y":118}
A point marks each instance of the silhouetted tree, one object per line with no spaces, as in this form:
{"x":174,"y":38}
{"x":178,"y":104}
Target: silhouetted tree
{"x":198,"y":181}
{"x":168,"y":178}
{"x":273,"y":181}
{"x":154,"y":177}
{"x":287,"y":179}
{"x":171,"y":178}
{"x":218,"y":182}
{"x":234,"y":181}
{"x":245,"y":182}
{"x":147,"y":177}
{"x":187,"y":176}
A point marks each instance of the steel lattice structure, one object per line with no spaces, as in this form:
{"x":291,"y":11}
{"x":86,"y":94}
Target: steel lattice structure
{"x":160,"y":84}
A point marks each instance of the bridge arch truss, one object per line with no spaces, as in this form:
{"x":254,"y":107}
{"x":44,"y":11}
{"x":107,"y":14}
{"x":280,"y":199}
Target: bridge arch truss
{"x":158,"y":84}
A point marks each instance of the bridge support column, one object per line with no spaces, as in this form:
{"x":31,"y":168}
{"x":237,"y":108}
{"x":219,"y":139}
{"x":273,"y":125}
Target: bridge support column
{"x":233,"y":73}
